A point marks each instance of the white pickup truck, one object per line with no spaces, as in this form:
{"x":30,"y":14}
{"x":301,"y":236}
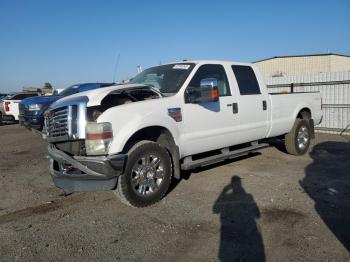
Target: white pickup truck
{"x":134,"y":138}
{"x":10,"y":108}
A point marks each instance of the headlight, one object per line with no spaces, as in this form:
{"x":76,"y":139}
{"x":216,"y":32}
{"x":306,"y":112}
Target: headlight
{"x":34,"y":107}
{"x":98,"y":138}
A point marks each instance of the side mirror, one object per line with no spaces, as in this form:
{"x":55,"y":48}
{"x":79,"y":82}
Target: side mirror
{"x":206,"y":92}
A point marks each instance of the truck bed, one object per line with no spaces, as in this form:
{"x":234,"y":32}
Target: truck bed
{"x":283,"y":110}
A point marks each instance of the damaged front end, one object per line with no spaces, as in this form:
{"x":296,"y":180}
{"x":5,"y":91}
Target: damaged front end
{"x":83,"y":173}
{"x":78,"y":143}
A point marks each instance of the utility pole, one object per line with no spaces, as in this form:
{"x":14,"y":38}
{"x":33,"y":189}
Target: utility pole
{"x":116,"y":68}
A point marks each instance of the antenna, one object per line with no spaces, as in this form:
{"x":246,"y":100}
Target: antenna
{"x":116,"y":67}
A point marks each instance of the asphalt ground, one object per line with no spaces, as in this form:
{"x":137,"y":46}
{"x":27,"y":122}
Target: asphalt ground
{"x":268,"y":206}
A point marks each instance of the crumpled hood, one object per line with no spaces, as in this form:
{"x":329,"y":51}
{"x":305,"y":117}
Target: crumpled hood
{"x":95,"y":96}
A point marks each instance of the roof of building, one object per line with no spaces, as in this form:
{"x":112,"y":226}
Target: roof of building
{"x":287,"y":56}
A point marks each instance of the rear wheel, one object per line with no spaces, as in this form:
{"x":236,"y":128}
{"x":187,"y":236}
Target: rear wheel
{"x":297,"y":141}
{"x":147,"y":175}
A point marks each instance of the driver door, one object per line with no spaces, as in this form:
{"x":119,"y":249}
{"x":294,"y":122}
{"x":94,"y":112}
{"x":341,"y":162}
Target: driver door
{"x":208,"y":125}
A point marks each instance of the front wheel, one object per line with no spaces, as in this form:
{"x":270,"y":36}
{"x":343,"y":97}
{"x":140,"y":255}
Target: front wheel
{"x":147,"y":175}
{"x":297,"y":141}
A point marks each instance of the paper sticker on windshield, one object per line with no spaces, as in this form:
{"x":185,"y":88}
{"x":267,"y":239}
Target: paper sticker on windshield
{"x":183,"y":67}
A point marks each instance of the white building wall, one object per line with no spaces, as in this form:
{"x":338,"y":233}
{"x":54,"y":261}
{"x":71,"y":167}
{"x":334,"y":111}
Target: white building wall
{"x":335,"y":91}
{"x":340,"y":63}
{"x":302,"y":65}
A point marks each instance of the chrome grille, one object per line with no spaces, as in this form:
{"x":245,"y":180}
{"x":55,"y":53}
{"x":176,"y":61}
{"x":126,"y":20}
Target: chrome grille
{"x":66,"y":121}
{"x":57,"y":123}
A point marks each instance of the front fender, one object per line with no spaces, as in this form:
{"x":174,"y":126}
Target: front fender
{"x":126,"y":123}
{"x":127,"y":131}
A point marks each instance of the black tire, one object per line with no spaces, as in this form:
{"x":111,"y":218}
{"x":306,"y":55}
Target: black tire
{"x":297,"y":141}
{"x":132,"y":185}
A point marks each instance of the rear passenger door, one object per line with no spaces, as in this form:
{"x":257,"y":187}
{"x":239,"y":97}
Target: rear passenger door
{"x":252,"y":104}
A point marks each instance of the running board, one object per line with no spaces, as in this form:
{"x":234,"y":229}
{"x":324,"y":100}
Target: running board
{"x":188,"y":163}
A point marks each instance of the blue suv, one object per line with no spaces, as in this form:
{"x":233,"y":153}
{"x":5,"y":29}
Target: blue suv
{"x":31,"y":110}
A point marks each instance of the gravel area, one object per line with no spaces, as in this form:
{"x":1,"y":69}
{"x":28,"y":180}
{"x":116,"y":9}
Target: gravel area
{"x":268,"y":206}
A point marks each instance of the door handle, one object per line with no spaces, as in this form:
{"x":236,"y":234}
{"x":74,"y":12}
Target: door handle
{"x":234,"y":107}
{"x":264,"y":104}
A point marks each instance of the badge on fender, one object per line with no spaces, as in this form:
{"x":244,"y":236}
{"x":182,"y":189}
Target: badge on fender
{"x":175,"y":113}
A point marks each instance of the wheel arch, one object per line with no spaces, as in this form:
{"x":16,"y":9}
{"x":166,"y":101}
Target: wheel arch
{"x":304,"y":113}
{"x":150,"y":133}
{"x":161,"y":135}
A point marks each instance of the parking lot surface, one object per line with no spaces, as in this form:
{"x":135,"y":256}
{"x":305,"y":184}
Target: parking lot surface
{"x":268,"y":206}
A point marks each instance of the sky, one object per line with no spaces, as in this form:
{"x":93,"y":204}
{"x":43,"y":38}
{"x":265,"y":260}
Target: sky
{"x":68,"y":42}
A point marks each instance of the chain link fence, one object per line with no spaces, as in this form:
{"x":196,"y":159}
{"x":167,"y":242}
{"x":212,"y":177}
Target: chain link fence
{"x":335,"y":91}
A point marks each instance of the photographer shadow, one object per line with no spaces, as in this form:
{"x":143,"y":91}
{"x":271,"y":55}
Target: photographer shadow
{"x":240,"y":238}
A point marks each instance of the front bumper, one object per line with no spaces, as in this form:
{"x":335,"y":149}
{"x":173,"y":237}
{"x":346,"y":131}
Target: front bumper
{"x":31,"y":122}
{"x":7,"y":118}
{"x":77,"y":173}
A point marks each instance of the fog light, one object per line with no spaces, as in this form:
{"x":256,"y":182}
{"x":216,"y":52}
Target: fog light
{"x":98,"y":138}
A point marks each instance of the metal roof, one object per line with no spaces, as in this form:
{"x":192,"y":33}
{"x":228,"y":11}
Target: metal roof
{"x":287,"y":56}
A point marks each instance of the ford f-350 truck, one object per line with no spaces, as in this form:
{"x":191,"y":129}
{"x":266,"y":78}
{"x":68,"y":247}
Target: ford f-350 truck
{"x":134,"y":138}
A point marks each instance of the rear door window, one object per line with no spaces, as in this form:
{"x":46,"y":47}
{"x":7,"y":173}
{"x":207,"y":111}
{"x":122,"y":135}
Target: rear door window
{"x":246,"y":79}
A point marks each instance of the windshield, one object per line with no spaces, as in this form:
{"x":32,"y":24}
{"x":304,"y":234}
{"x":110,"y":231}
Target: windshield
{"x":165,"y":78}
{"x":82,"y":88}
{"x":9,"y":96}
{"x":70,"y":90}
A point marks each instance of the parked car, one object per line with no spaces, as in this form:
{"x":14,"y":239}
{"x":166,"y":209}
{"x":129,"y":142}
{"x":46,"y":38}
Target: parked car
{"x":134,"y":138}
{"x":10,"y":110}
{"x":2,"y":111}
{"x":32,"y":109}
{"x":2,"y":96}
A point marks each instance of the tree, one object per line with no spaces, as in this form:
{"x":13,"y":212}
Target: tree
{"x":47,"y":85}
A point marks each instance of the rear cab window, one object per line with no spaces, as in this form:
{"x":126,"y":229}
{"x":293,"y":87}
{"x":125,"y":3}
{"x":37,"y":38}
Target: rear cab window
{"x":246,"y":80}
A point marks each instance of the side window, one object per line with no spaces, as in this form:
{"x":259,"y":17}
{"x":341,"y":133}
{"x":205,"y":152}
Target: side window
{"x":212,"y":71}
{"x":246,"y":79}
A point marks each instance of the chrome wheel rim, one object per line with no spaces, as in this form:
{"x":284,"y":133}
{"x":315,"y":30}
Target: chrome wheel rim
{"x":303,"y":137}
{"x":147,"y":175}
